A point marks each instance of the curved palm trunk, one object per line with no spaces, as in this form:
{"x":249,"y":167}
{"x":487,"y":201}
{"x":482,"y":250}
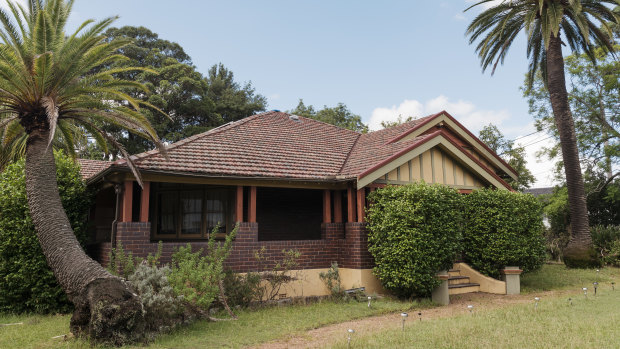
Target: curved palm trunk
{"x":95,"y":293}
{"x":581,"y":241}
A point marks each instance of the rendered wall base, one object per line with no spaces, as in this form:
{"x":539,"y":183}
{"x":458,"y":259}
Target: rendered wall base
{"x":308,"y":283}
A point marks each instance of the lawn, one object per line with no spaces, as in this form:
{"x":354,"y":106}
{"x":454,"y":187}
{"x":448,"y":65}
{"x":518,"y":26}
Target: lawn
{"x":253,"y":327}
{"x":555,"y":323}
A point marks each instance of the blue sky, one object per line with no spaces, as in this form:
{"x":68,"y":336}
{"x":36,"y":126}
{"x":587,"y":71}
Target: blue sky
{"x":380,"y":58}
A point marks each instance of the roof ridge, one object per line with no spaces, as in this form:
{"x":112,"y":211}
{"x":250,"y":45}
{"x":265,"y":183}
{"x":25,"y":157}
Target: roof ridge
{"x":349,"y":153}
{"x":184,"y":141}
{"x":326,"y":123}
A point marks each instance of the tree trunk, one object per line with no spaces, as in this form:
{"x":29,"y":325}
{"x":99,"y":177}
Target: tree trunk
{"x":579,"y":250}
{"x":106,"y":309}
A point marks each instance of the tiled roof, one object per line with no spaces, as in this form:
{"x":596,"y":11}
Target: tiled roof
{"x":89,"y":168}
{"x":276,"y":145}
{"x":372,"y":148}
{"x":264,"y":145}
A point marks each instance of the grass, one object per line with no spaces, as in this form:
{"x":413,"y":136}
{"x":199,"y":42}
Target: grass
{"x":587,"y":323}
{"x":253,"y":327}
{"x":558,"y":277}
{"x":591,"y":323}
{"x":554,"y":324}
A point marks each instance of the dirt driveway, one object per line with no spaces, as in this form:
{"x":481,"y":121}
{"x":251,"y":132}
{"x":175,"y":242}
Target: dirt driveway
{"x":324,"y":336}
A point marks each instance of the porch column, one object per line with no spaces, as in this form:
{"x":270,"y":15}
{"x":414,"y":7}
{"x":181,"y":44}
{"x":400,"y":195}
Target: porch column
{"x":350,"y":205}
{"x":252,"y":206}
{"x":327,"y":206}
{"x":127,"y":201}
{"x":144,"y":202}
{"x":337,"y":206}
{"x":239,"y":204}
{"x":361,"y":205}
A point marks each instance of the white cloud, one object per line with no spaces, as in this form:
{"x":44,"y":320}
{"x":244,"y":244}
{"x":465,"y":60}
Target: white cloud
{"x":486,"y":5}
{"x":466,"y":112}
{"x":460,"y":17}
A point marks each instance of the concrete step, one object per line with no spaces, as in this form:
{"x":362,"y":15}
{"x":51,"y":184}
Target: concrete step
{"x":457,"y":280}
{"x":463,"y":288}
{"x":454,"y":272}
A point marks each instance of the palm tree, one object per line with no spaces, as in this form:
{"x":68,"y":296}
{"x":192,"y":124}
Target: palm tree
{"x":545,"y":22}
{"x":52,"y":90}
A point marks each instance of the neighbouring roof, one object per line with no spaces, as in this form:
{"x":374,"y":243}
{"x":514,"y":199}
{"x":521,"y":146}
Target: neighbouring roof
{"x":277,"y":145}
{"x":89,"y":168}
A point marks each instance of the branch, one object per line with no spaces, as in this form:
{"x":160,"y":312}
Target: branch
{"x":595,"y":112}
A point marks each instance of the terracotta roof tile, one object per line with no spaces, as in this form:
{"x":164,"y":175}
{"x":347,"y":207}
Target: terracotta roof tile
{"x":265,"y":145}
{"x":89,"y":168}
{"x":274,"y":145}
{"x":373,"y":147}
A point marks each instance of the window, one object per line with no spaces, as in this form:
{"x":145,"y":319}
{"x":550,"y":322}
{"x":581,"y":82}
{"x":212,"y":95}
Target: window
{"x":183,"y":211}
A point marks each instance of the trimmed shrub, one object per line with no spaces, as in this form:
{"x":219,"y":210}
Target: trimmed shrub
{"x":414,"y":232}
{"x":26,"y":282}
{"x":502,"y":228}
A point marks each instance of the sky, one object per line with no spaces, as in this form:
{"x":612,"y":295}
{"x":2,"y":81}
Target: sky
{"x":380,"y":58}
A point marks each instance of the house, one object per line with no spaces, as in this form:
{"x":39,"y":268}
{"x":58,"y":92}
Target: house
{"x":290,"y":182}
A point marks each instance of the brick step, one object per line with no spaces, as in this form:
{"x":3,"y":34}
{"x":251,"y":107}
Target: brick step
{"x":463,"y":288}
{"x":454,"y":272}
{"x":458,"y":280}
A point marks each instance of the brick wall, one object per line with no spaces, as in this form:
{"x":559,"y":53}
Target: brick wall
{"x":344,"y":243}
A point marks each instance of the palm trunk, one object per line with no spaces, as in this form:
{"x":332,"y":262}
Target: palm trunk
{"x":580,"y":246}
{"x":92,"y":289}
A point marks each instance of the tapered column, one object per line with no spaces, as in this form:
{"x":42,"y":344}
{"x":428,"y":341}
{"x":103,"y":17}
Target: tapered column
{"x":252,"y":206}
{"x":361,"y":205}
{"x":239,"y":204}
{"x":127,"y":201}
{"x":327,"y":206}
{"x":351,"y":205}
{"x":144,"y":202}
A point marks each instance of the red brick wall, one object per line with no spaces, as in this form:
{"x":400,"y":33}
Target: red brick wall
{"x":342,"y":242}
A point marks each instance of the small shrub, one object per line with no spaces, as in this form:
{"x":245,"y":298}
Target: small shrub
{"x":124,"y":264}
{"x":27,"y":284}
{"x":242,"y":289}
{"x":503,"y":229}
{"x":414,"y":232}
{"x":162,"y":308}
{"x":196,"y":275}
{"x":606,"y":240}
{"x":331,"y":278}
{"x":275,"y":278}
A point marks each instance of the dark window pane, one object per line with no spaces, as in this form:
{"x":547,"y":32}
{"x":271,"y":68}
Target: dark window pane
{"x":191,"y":212}
{"x":167,"y":218}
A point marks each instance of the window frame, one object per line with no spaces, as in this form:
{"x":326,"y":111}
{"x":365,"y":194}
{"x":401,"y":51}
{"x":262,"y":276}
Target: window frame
{"x":160,"y":189}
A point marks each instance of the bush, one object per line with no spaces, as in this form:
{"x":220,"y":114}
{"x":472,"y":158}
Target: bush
{"x":503,"y":229}
{"x":414,"y":232}
{"x":162,"y":308}
{"x":331,"y":279}
{"x":242,"y":289}
{"x":606,"y":240}
{"x":26,"y":282}
{"x":196,"y":275}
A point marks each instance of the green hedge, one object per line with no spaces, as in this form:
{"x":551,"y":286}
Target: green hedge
{"x":26,"y":282}
{"x":502,"y":229}
{"x":414,"y":232}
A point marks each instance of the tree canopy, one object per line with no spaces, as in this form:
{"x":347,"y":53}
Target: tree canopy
{"x":514,"y":155}
{"x":193,"y":102}
{"x":339,"y":115}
